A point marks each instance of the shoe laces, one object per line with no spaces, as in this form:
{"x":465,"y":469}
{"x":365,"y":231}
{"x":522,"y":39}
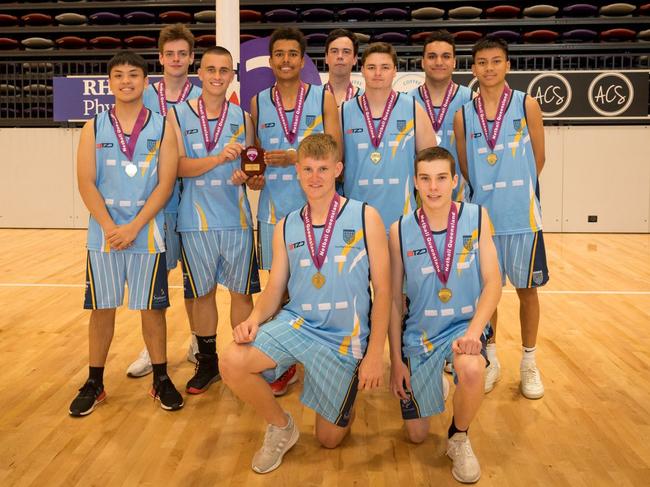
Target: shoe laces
{"x":144,"y":354}
{"x":89,"y":388}
{"x":531,"y":375}
{"x":273,"y":439}
{"x":161,"y":386}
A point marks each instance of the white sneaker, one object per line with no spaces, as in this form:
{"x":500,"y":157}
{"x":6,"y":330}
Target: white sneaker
{"x":449,"y":367}
{"x":141,"y":366}
{"x":465,"y":467}
{"x":277,"y":442}
{"x":445,"y":387}
{"x":193,"y":350}
{"x":531,"y":382}
{"x":492,"y":375}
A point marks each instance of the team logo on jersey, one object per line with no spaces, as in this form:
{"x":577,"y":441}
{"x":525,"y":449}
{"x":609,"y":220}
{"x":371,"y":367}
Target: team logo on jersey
{"x":151,"y":144}
{"x":354,"y":131}
{"x":309,"y":120}
{"x":104,"y":145}
{"x":191,"y":131}
{"x":296,"y":245}
{"x":348,"y":235}
{"x":269,"y":125}
{"x":477,"y":135}
{"x":411,"y":253}
{"x":401,"y":124}
{"x":516,"y":123}
{"x":538,"y":277}
{"x":468,"y":243}
{"x":234,"y":128}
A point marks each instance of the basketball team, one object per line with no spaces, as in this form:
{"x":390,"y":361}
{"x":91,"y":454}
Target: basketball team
{"x":380,"y":214}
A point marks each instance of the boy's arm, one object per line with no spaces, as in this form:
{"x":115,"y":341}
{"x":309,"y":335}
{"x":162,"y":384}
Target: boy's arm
{"x":459,"y":135}
{"x":536,"y":130}
{"x":331,"y":122}
{"x":270,"y":299}
{"x":86,"y":177}
{"x":372,"y":366}
{"x":425,"y":136}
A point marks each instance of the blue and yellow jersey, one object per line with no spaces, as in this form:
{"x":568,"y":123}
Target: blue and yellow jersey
{"x":429,"y":321}
{"x":150,"y":100}
{"x":123,"y":195}
{"x":446,"y":132}
{"x":211,"y":201}
{"x":338,"y":313}
{"x":509,"y":188}
{"x":387,"y":184}
{"x":282,"y":193}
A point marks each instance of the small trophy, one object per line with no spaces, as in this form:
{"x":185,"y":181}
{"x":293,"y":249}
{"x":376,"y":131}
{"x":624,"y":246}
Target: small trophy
{"x":252,"y":161}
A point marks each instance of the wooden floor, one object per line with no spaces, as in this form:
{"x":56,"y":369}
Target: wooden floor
{"x":592,"y":427}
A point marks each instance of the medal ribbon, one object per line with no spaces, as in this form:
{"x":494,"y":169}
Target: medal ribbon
{"x":205,"y":127}
{"x":348,"y":94}
{"x":297,"y":114}
{"x":376,"y":136}
{"x":449,"y":94}
{"x":128,"y":148}
{"x":319,"y":258}
{"x":162,"y":95}
{"x":491,"y":138}
{"x":450,"y":242}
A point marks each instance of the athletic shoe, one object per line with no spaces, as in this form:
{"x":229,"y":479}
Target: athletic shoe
{"x":277,"y":442}
{"x":531,"y":382}
{"x":445,"y":387}
{"x":492,"y":375}
{"x":193,"y":350}
{"x":165,"y":392}
{"x":280,"y":386}
{"x":90,"y":395}
{"x":465,"y":467}
{"x":141,"y":366}
{"x":449,"y":367}
{"x":205,"y":373}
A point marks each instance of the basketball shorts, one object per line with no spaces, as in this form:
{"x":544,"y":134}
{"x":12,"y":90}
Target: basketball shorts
{"x":522,"y":258}
{"x":265,"y":244}
{"x":172,"y":241}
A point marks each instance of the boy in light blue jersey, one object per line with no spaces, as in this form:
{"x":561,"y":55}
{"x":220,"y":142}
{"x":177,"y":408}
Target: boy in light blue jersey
{"x":382,"y":130}
{"x":324,"y":254}
{"x":500,"y":136}
{"x":444,"y":251}
{"x":214,"y":217}
{"x":441,"y":97}
{"x":126,"y":166}
{"x":176,"y":55}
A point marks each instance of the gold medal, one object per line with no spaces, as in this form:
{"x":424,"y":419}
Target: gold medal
{"x":444,"y":294}
{"x":318,"y":280}
{"x":492,"y":158}
{"x":131,"y":170}
{"x":375,"y":157}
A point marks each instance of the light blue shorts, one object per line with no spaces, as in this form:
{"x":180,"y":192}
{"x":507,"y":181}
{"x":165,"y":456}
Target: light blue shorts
{"x":225,"y":257}
{"x":331,"y":379}
{"x":172,"y":241}
{"x":522,"y":257}
{"x":265,"y":244}
{"x":107,"y":272}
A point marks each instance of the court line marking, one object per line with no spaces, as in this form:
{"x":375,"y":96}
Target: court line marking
{"x":510,"y":291}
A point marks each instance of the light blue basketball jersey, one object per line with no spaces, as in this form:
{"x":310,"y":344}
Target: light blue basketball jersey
{"x":446,"y":133}
{"x":509,"y":189}
{"x":282,"y":192}
{"x":338,"y":313}
{"x":388,"y":184}
{"x":150,"y":100}
{"x":430,"y":321}
{"x":125,"y":196}
{"x":211,"y":201}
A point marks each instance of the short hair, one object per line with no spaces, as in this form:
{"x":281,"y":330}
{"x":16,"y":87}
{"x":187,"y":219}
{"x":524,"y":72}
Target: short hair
{"x":128,"y":57}
{"x":379,"y":48}
{"x":289,"y":34}
{"x":489,"y":42}
{"x":337,"y":34}
{"x":175,"y":32}
{"x":318,"y":146}
{"x":434,"y":154}
{"x":218,"y":50}
{"x":439,"y":36}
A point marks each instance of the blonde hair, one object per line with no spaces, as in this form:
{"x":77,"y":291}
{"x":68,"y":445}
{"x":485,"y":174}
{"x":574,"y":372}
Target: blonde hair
{"x":318,"y":146}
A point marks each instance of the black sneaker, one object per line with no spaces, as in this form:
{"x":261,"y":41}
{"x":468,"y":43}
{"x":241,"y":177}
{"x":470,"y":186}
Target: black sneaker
{"x":90,"y":395}
{"x":205,"y":373}
{"x":165,"y":392}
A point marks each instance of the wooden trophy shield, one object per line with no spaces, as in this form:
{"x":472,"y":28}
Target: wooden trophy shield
{"x":252,"y":161}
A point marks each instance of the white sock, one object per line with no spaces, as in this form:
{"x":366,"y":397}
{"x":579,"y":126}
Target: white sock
{"x":491,"y":350}
{"x":528,"y":356}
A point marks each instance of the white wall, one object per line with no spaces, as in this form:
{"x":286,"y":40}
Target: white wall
{"x":603,"y":171}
